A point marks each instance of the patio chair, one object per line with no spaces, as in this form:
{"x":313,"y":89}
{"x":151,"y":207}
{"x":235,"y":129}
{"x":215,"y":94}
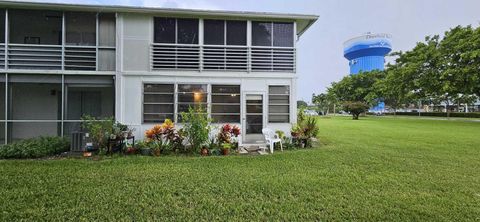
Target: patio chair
{"x":271,"y":138}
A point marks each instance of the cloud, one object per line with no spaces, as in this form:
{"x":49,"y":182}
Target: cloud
{"x":184,"y":4}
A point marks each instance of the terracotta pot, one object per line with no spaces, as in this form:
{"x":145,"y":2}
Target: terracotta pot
{"x":131,"y":150}
{"x":225,"y":151}
{"x":204,"y":152}
{"x":156,"y":152}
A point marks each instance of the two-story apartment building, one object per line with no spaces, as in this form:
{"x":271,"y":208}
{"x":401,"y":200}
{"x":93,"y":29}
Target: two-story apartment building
{"x":143,"y":65}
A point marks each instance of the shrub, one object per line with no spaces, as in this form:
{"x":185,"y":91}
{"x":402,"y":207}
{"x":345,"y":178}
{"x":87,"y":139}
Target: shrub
{"x":164,"y":137}
{"x":35,"y":148}
{"x":196,"y":127}
{"x":101,"y":130}
{"x":228,"y":135}
{"x":304,"y":131}
{"x":355,"y":108}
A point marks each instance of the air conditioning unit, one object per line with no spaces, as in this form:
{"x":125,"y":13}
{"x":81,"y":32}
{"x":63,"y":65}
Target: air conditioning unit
{"x":80,"y":142}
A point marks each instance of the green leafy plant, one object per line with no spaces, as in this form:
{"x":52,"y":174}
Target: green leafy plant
{"x":196,"y":127}
{"x":305,"y":130}
{"x":35,"y":148}
{"x":101,"y":130}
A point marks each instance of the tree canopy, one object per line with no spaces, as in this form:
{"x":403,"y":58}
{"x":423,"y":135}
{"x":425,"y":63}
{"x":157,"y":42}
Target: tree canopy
{"x":442,"y":69}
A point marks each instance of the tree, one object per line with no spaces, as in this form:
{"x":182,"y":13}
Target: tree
{"x":322,"y":102}
{"x":301,"y":104}
{"x":460,"y":50}
{"x":396,"y":89}
{"x":357,"y":87}
{"x":355,"y":108}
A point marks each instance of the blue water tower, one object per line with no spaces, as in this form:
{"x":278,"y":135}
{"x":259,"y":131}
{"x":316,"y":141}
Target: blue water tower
{"x":367,"y":52}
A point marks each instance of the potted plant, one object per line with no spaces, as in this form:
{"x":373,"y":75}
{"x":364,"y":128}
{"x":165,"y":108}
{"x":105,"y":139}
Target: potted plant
{"x":204,"y":151}
{"x":143,"y":147}
{"x":226,"y":148}
{"x":157,"y":148}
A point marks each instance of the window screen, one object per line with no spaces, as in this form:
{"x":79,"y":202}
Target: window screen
{"x":283,"y":34}
{"x":262,"y":33}
{"x":214,"y":32}
{"x":164,"y":30}
{"x":236,"y":33}
{"x":187,"y":31}
{"x":80,"y":28}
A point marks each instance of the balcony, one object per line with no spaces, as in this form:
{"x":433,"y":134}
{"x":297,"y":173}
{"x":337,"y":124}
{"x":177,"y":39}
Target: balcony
{"x":222,"y":58}
{"x":56,"y":40}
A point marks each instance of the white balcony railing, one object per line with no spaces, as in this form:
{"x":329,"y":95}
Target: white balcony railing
{"x":172,"y":56}
{"x":2,"y":56}
{"x":80,"y":58}
{"x":234,"y":58}
{"x":48,"y":57}
{"x":26,"y":56}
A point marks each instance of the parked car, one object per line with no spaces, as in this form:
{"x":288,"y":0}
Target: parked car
{"x":309,"y":112}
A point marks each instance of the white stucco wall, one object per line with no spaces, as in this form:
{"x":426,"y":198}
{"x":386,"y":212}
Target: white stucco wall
{"x":134,"y":38}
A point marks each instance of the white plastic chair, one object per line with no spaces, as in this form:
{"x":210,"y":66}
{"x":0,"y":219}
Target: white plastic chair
{"x":271,"y":138}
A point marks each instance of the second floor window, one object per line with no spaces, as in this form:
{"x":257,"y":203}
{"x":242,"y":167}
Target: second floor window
{"x":220,"y":32}
{"x":175,"y":31}
{"x":35,"y":27}
{"x":278,"y":34}
{"x":80,"y":28}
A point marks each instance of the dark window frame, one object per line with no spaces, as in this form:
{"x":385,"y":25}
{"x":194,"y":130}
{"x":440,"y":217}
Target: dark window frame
{"x":270,"y":104}
{"x":175,"y":30}
{"x":239,"y":94}
{"x":272,"y":34}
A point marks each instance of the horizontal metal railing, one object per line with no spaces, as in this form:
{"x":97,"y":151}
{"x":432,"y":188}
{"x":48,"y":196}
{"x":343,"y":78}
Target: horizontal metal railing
{"x":49,"y":57}
{"x":2,"y":56}
{"x":172,"y":56}
{"x":29,"y":56}
{"x":80,"y":58}
{"x":215,"y":57}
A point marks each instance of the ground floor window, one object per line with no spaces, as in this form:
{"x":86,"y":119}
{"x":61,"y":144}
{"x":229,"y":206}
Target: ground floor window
{"x":51,"y":105}
{"x":278,"y":104}
{"x":162,"y":101}
{"x":226,"y":103}
{"x":158,"y":102}
{"x":191,"y":96}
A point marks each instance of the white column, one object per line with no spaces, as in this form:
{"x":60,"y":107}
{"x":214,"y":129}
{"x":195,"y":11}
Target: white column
{"x":63,"y":41}
{"x":6,"y":108}
{"x":6,"y":43}
{"x":295,"y":39}
{"x":200,"y":43}
{"x":249,"y":45}
{"x":96,"y":41}
{"x":119,"y":68}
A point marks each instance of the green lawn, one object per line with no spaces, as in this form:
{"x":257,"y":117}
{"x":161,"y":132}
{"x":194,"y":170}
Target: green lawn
{"x":371,"y":169}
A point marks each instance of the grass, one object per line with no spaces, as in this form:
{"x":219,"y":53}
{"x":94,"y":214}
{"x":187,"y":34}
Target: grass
{"x":372,"y":169}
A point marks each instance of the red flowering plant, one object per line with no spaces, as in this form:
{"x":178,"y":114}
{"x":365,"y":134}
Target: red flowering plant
{"x":228,"y":135}
{"x":164,"y":137}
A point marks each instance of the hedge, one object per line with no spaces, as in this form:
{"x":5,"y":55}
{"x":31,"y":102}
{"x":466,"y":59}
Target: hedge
{"x":34,"y":148}
{"x":437,"y":114}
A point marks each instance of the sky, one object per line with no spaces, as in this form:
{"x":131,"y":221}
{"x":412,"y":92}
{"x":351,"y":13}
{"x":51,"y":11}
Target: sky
{"x":320,"y":49}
